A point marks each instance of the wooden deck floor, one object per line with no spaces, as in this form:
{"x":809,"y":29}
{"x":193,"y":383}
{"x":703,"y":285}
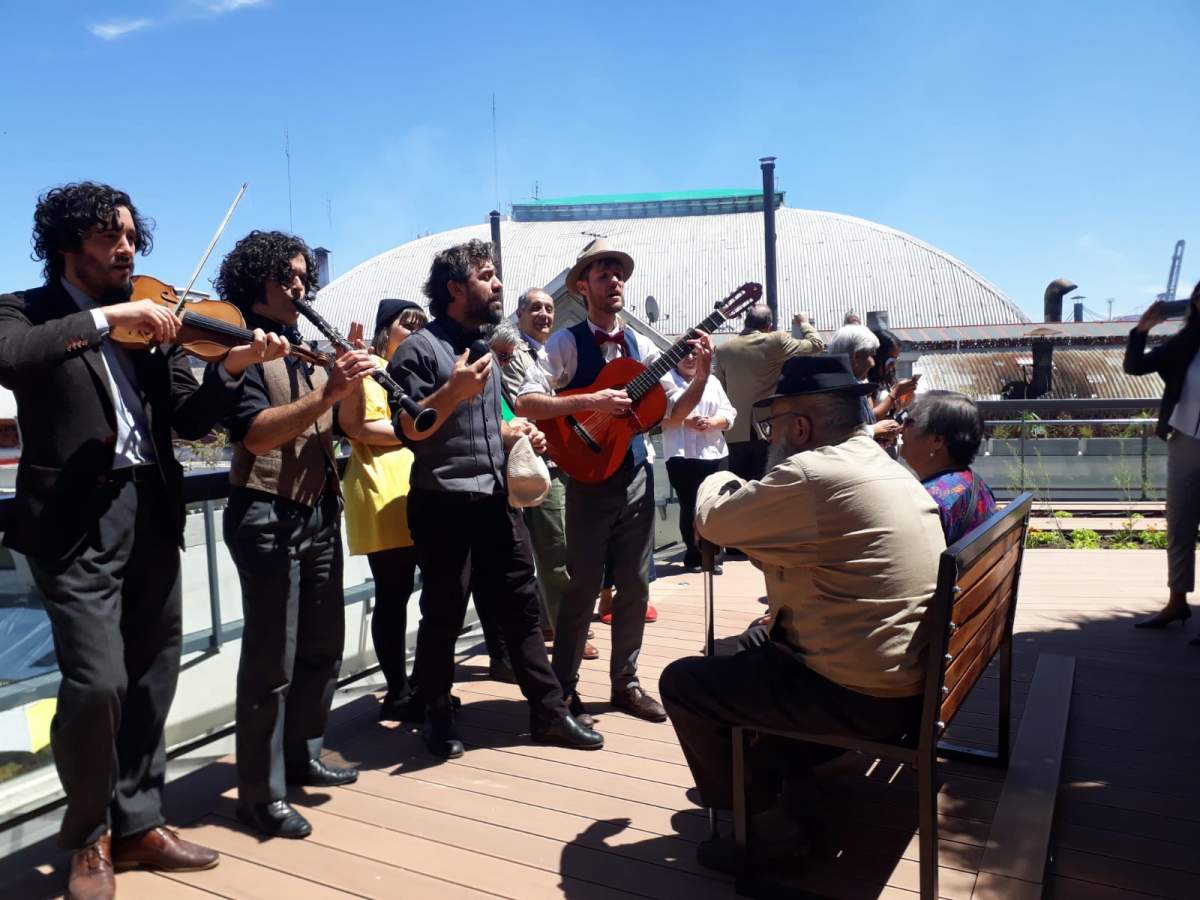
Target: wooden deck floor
{"x":515,"y":820}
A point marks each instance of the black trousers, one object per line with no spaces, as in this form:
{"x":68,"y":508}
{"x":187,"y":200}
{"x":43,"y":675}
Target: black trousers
{"x":464,"y":542}
{"x":289,"y":560}
{"x":115,"y":613}
{"x":770,"y":686}
{"x":394,"y":571}
{"x":685,"y":476}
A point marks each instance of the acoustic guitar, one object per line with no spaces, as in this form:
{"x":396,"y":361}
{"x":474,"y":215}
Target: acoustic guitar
{"x":590,"y":445}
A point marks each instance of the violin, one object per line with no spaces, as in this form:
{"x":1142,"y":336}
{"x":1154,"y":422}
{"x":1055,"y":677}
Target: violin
{"x":208,"y":329}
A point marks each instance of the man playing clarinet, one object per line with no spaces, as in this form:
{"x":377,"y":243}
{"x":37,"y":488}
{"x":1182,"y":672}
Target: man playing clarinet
{"x":283,"y":530}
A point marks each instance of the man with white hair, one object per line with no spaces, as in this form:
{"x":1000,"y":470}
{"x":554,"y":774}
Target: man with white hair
{"x":547,"y":523}
{"x":849,"y":542}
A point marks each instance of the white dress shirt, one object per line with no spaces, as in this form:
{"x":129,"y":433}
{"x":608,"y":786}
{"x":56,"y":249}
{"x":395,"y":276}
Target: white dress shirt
{"x":135,"y":445}
{"x":679,"y":440}
{"x":1186,"y":415}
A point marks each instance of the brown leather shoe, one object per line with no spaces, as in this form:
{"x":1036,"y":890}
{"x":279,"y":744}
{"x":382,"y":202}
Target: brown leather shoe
{"x":161,"y":848}
{"x":637,"y":702}
{"x":590,"y":651}
{"x":91,"y":875}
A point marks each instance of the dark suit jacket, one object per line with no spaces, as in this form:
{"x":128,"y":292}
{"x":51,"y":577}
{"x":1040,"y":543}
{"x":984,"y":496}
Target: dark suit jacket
{"x":1169,"y":359}
{"x":50,"y":358}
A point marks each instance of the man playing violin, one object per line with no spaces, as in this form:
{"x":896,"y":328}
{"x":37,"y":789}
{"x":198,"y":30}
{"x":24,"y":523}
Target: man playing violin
{"x":99,"y":515}
{"x":610,"y":522}
{"x":283,"y":529}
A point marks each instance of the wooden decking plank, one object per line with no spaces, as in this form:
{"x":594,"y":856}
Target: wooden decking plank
{"x":379,"y":862}
{"x":1132,"y":848}
{"x":583,"y":854}
{"x":1019,"y":842}
{"x":1124,"y":875}
{"x":245,"y":873}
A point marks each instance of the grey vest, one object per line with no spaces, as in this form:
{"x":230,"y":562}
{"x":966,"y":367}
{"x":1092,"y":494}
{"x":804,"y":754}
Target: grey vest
{"x":300,"y":469}
{"x":466,"y":454}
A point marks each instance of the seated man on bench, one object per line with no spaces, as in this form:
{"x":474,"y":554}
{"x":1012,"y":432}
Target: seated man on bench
{"x":848,"y":542}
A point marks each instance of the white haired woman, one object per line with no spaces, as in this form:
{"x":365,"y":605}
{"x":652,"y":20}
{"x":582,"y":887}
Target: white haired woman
{"x":859,"y":345}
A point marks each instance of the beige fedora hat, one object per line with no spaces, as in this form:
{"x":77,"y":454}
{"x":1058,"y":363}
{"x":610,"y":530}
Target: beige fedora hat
{"x":596,"y":250}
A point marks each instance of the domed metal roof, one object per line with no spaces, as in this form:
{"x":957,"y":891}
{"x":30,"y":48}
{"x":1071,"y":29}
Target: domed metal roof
{"x":827,"y":264}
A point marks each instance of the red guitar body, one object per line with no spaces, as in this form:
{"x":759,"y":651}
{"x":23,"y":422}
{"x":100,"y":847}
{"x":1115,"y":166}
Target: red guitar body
{"x":590,"y":445}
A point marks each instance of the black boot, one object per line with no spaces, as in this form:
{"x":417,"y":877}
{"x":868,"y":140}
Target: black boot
{"x":566,"y":732}
{"x":441,"y":737}
{"x":274,"y":819}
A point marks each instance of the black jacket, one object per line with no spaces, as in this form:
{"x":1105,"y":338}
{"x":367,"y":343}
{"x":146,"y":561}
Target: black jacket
{"x":1170,"y":359}
{"x":50,"y":359}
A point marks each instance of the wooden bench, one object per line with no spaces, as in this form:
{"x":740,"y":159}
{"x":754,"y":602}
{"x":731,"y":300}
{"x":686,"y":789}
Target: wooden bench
{"x":970,"y":620}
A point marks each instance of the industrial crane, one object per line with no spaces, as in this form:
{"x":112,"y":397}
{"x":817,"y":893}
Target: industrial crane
{"x":1173,"y":276}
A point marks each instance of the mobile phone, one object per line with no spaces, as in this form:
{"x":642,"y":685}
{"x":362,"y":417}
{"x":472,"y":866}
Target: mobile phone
{"x":1174,"y":309}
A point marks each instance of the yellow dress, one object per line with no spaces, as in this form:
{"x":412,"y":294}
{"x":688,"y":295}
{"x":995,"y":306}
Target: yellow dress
{"x":375,"y":485}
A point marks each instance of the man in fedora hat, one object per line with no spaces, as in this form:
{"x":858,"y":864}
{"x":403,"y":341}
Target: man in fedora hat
{"x":611,"y":521}
{"x":849,"y":542}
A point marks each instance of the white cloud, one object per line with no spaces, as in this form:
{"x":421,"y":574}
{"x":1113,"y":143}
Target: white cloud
{"x":111,"y":31}
{"x":224,"y":6}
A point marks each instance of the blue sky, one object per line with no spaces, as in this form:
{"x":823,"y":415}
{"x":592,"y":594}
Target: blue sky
{"x":1031,"y":140}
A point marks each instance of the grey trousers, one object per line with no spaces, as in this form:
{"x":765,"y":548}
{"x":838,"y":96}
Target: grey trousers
{"x":547,"y":526}
{"x":289,"y":560}
{"x":115,"y":612}
{"x":613,"y":522}
{"x":1183,"y":511}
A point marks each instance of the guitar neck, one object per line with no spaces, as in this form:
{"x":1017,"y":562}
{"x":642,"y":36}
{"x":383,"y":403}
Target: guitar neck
{"x":642,"y":385}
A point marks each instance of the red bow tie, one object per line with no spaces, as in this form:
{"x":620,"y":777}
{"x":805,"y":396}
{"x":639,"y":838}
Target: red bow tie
{"x":617,"y":338}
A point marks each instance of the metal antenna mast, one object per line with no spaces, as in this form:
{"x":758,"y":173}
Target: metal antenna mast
{"x":287,"y":151}
{"x":495,"y":155}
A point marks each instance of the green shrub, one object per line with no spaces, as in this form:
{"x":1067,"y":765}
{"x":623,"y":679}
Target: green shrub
{"x":1085,"y":539}
{"x":1062,"y":514}
{"x":1050,"y":540}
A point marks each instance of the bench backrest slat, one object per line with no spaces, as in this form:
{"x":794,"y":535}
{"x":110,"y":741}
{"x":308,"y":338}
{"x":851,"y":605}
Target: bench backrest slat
{"x":973,"y":610}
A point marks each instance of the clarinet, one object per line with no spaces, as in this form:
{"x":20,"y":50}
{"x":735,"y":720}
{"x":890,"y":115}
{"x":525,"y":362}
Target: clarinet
{"x":423,"y":419}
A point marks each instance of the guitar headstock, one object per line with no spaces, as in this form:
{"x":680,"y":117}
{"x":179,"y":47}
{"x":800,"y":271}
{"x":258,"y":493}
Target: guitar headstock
{"x":740,"y":300}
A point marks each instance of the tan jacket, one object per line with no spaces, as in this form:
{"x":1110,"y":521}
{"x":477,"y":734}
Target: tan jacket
{"x":748,"y":368}
{"x":848,"y":541}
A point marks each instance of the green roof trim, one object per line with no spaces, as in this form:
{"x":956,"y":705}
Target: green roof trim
{"x":657,"y":197}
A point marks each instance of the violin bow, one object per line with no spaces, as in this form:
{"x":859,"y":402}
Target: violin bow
{"x":207,"y":253}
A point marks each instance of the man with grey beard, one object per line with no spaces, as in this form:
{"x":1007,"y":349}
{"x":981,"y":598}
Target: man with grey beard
{"x":849,"y":543}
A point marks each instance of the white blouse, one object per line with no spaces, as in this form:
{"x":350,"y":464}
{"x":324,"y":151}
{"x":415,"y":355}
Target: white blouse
{"x":1186,"y":415}
{"x":678,"y":440}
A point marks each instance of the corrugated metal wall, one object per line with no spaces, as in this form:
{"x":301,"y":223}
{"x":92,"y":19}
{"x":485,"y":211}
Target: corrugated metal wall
{"x":1094,"y":372}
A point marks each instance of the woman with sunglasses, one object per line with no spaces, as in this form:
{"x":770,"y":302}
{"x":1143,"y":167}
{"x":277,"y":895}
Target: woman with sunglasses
{"x":941,"y":433}
{"x":375,"y":488}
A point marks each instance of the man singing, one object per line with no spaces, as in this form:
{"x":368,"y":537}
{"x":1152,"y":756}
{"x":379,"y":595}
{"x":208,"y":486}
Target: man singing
{"x":99,"y":515}
{"x":465,"y":532}
{"x":283,"y":529}
{"x":610,"y":522}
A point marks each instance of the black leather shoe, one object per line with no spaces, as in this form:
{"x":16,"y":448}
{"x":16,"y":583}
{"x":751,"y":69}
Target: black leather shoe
{"x":638,"y":703}
{"x":317,"y":774}
{"x":442,"y":739}
{"x":274,"y":819}
{"x":501,"y":670}
{"x":578,"y":713}
{"x":567,"y":732}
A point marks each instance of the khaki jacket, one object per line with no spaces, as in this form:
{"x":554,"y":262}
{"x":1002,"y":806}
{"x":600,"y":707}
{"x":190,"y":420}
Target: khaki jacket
{"x":848,"y":541}
{"x":748,"y":368}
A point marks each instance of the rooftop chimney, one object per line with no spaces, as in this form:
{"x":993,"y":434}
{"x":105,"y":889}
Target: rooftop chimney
{"x":877,"y":319}
{"x":768,"y":180}
{"x":322,"y":257}
{"x":1055,"y":291}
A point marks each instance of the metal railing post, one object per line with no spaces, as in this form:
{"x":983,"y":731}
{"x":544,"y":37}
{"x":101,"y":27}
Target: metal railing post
{"x":1024,"y":420}
{"x":1145,"y":464}
{"x":214,"y":583}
